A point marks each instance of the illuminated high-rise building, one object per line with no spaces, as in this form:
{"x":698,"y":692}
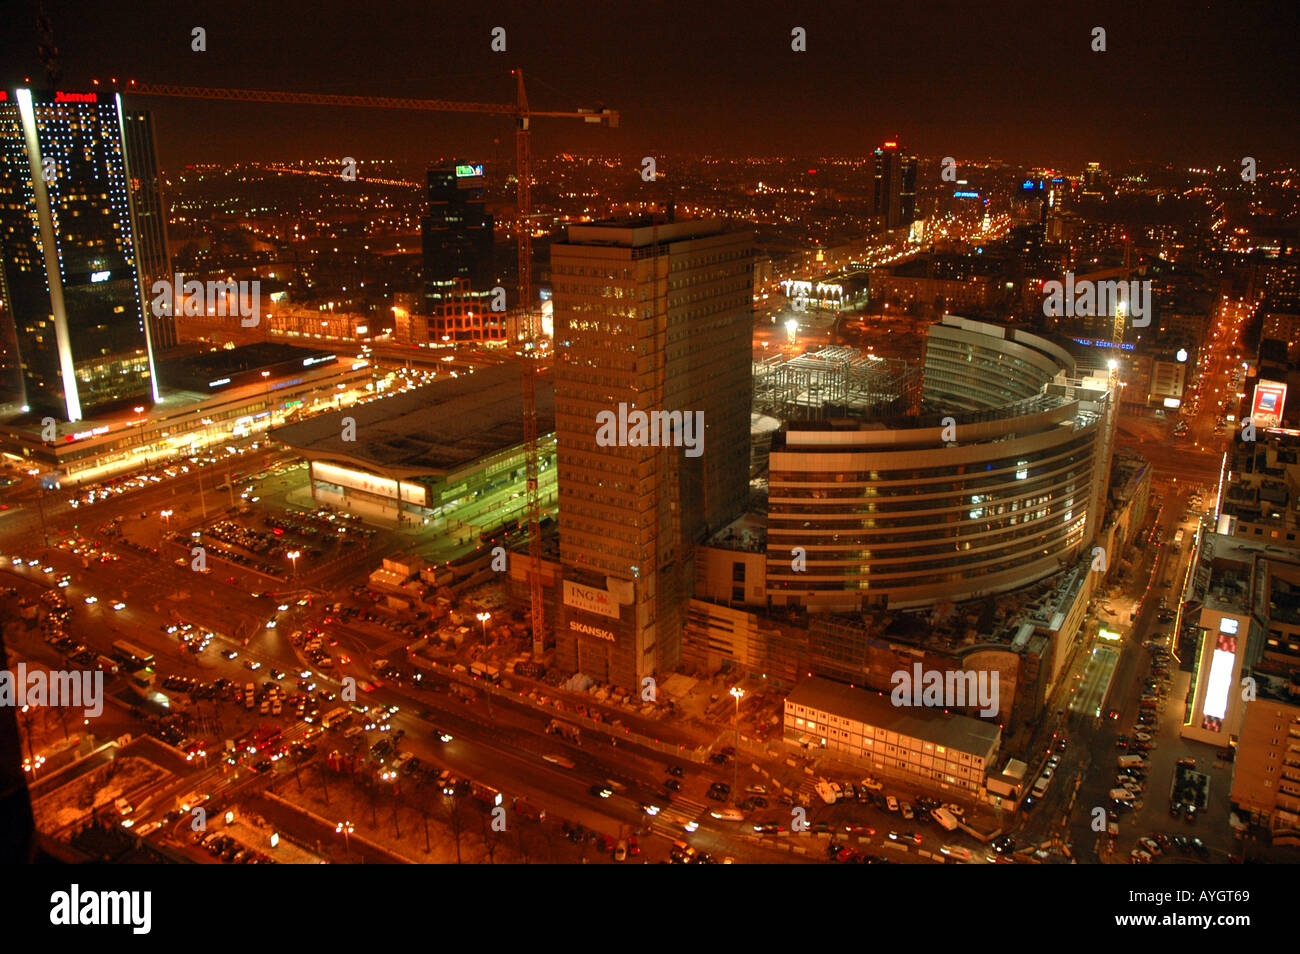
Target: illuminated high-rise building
{"x":456,"y":232}
{"x":69,"y":255}
{"x":150,"y":212}
{"x":1094,"y":179}
{"x":652,"y":316}
{"x":895,"y":195}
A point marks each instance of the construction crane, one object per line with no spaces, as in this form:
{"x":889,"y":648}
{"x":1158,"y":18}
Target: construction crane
{"x":523,"y":115}
{"x":531,"y":331}
{"x":1121,"y":314}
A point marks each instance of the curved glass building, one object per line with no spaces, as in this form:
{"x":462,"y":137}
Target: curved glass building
{"x":1000,"y":482}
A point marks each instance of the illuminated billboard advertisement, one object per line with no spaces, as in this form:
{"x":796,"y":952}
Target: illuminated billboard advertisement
{"x":1266,"y":408}
{"x":1219,"y":683}
{"x":590,"y":598}
{"x":466,"y":172}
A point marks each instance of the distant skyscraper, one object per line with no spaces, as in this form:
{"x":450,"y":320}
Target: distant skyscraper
{"x":68,"y":256}
{"x":651,"y":315}
{"x":1094,"y":179}
{"x":457,"y":234}
{"x":895,"y":196}
{"x":1029,"y":201}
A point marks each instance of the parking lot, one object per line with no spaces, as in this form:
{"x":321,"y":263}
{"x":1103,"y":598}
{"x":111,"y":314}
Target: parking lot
{"x":272,"y":542}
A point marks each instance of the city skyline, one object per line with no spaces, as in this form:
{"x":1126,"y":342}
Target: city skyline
{"x":728,"y":82}
{"x":631,"y":433}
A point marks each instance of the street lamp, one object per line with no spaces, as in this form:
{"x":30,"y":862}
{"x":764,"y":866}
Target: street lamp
{"x":346,"y":829}
{"x":736,"y":693}
{"x":483,"y":620}
{"x":293,"y":558}
{"x":166,"y":515}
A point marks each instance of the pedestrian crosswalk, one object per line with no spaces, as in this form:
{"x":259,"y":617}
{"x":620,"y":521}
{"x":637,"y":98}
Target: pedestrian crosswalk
{"x":672,"y":819}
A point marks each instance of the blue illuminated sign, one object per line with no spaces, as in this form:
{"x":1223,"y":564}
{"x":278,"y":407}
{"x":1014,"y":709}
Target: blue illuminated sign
{"x":1101,"y":343}
{"x":965,"y":195}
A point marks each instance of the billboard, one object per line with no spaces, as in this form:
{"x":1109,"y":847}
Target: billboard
{"x":590,"y":598}
{"x":1218,"y":687}
{"x":1266,"y":408}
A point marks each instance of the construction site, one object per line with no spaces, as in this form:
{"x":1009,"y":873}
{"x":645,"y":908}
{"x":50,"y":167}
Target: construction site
{"x":836,"y":382}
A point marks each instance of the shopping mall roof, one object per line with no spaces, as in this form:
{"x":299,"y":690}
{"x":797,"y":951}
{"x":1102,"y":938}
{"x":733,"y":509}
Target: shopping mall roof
{"x":434,"y":429}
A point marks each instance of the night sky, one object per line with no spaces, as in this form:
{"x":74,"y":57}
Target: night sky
{"x":1194,"y":82}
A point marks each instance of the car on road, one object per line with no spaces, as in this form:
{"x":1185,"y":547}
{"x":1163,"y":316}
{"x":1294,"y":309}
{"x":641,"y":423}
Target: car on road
{"x":673,"y":785}
{"x":891,"y":803}
{"x":675,"y":770}
{"x":1151,"y":845}
{"x":600,"y":791}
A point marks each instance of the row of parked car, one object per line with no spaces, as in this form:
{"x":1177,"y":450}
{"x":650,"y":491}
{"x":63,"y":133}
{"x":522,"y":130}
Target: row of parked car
{"x":863,"y":791}
{"x":1150,"y":847}
{"x":231,"y":851}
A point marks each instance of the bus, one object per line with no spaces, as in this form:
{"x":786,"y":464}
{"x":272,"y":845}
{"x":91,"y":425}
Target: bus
{"x":339,"y":716}
{"x":134,"y":657}
{"x":264,"y":737}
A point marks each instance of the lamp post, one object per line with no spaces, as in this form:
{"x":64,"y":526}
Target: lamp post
{"x":293,"y":558}
{"x":483,"y":621}
{"x":346,"y":829}
{"x":736,"y":693}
